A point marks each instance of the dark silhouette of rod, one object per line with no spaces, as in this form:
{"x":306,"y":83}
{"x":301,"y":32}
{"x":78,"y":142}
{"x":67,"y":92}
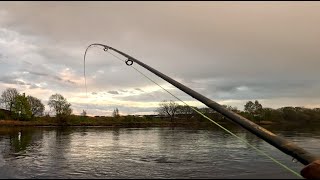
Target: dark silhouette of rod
{"x":282,"y":144}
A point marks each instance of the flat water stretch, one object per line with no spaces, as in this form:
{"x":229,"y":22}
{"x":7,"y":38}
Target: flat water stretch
{"x":99,"y":152}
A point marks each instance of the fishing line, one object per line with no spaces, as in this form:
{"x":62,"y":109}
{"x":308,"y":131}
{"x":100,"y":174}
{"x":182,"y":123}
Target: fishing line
{"x":84,"y":68}
{"x":84,"y":73}
{"x":203,"y":115}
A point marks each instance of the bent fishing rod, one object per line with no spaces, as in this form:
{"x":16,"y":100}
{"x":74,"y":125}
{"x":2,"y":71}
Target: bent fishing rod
{"x":280,"y":143}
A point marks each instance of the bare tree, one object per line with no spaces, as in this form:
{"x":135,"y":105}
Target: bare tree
{"x":116,"y":113}
{"x":37,"y":108}
{"x":8,"y":97}
{"x":253,"y":108}
{"x":168,"y":108}
{"x":206,"y":110}
{"x":61,"y":107}
{"x":230,"y":108}
{"x":84,"y":113}
{"x":185,"y":111}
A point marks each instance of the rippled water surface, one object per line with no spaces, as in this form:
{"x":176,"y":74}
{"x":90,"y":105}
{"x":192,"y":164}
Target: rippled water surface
{"x":143,"y":153}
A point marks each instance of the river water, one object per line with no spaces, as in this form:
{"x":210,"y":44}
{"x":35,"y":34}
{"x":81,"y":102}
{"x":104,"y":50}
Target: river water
{"x":100,"y":152}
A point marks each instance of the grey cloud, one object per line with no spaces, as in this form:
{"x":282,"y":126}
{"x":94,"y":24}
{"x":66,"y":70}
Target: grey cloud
{"x":27,"y":63}
{"x":21,"y":82}
{"x":62,"y":80}
{"x":9,"y":81}
{"x":38,"y":73}
{"x":8,"y":77}
{"x":55,"y":77}
{"x":34,"y":86}
{"x":13,"y":81}
{"x":1,"y":56}
{"x":3,"y":59}
{"x":113,"y":92}
{"x":156,"y":96}
{"x":138,"y":89}
{"x":71,"y":82}
{"x":48,"y":75}
{"x":272,"y":51}
{"x":263,"y":89}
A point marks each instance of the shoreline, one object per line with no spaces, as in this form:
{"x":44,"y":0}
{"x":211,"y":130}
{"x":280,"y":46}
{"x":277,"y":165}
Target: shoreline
{"x":15,"y":123}
{"x":142,"y":124}
{"x":114,"y":124}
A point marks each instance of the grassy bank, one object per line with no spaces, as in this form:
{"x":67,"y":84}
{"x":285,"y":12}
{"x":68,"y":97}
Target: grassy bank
{"x":123,"y":121}
{"x":145,"y":121}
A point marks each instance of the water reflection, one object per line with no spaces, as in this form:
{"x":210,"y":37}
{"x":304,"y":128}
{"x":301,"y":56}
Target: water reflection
{"x":144,"y":153}
{"x":116,"y":134}
{"x":19,"y":139}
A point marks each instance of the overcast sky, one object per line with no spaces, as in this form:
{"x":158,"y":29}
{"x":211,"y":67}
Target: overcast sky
{"x":231,"y":52}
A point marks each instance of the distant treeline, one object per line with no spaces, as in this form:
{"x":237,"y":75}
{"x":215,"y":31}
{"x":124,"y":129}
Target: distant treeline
{"x":17,"y":106}
{"x":252,"y":110}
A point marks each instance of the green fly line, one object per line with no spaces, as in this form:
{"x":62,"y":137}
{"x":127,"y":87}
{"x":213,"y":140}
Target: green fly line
{"x":200,"y":113}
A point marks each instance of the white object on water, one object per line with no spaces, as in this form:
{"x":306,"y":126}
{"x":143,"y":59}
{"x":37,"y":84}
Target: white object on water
{"x":19,"y":136}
